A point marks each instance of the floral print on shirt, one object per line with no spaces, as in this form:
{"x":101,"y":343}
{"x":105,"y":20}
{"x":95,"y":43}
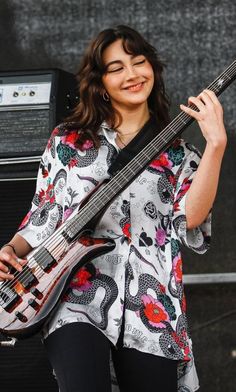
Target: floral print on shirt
{"x":140,"y":281}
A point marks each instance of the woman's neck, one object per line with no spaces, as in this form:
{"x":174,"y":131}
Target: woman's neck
{"x":133,"y":120}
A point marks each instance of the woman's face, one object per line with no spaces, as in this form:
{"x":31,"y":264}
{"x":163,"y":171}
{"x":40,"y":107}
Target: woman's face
{"x":128,"y":79}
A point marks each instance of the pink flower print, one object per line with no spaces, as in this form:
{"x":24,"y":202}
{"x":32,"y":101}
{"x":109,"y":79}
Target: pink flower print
{"x":160,"y":237}
{"x":86,"y":145}
{"x":67,"y":213}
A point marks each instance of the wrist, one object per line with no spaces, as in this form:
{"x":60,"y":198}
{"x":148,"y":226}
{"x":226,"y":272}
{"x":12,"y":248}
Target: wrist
{"x":217,"y":147}
{"x":10,"y":246}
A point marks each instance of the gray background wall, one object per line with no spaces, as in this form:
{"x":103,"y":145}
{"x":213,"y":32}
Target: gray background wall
{"x":198,"y":41}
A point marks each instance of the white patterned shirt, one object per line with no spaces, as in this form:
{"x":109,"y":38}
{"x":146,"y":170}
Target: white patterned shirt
{"x":139,"y":283}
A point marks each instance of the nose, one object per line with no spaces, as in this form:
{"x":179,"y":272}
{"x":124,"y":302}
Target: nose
{"x":131,"y":72}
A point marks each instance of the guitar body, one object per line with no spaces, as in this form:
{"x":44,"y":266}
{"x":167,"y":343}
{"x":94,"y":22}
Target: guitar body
{"x":24,"y":308}
{"x":30,"y":299}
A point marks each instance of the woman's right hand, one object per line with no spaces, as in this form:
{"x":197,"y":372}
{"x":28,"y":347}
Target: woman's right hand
{"x":8,"y":262}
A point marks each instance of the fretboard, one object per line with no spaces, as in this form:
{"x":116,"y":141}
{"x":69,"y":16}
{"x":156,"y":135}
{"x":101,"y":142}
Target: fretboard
{"x":104,"y":196}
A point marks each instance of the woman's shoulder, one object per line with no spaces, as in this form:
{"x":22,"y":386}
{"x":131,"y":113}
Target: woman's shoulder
{"x":70,"y":136}
{"x":64,"y":129}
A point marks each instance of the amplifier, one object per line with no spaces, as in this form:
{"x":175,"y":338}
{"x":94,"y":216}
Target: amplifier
{"x":32,"y":103}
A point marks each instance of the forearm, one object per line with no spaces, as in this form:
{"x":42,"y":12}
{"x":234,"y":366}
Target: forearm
{"x":202,"y":192}
{"x":20,"y":245}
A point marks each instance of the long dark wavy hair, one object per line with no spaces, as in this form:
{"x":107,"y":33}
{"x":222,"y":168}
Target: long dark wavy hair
{"x":92,"y":109}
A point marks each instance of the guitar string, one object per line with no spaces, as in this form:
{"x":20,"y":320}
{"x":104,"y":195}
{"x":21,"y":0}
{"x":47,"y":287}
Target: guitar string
{"x":49,"y":243}
{"x":187,"y":117}
{"x":168,"y":133}
{"x":99,"y":195}
{"x":68,"y":264}
{"x":40,"y":269}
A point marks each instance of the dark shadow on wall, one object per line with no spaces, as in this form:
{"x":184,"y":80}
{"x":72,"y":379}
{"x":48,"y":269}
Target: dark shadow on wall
{"x":12,"y":57}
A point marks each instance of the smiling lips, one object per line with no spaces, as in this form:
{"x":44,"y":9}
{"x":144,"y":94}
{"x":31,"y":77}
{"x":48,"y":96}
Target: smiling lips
{"x":135,"y":87}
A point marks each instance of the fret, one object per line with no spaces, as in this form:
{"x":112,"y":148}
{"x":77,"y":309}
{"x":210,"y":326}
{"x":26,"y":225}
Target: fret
{"x":105,"y":195}
{"x":182,"y":120}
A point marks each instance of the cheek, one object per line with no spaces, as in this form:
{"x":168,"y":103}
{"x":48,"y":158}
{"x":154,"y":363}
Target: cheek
{"x":150,"y":76}
{"x":149,"y":73}
{"x":111,"y":84}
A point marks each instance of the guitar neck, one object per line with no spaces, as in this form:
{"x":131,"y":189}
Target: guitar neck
{"x":104,"y":196}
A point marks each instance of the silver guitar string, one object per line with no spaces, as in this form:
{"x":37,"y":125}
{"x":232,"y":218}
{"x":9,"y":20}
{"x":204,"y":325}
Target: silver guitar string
{"x":150,"y":147}
{"x":165,"y":140}
{"x":187,"y":117}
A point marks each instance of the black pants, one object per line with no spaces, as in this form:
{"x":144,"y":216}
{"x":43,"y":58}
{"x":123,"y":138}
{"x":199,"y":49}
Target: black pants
{"x":79,"y":354}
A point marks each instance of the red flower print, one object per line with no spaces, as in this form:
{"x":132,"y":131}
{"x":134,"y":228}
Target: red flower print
{"x":126,"y":230}
{"x":177,"y":268}
{"x":187,"y":354}
{"x":50,"y":196}
{"x":70,"y":139}
{"x":55,"y":132}
{"x":162,"y":288}
{"x":154,"y":311}
{"x":73,"y":162}
{"x":181,"y":340}
{"x":45,"y":173}
{"x":47,"y":195}
{"x":161,"y":162}
{"x":41,"y":194}
{"x":183,"y":189}
{"x":172,"y":180}
{"x":80,"y":280}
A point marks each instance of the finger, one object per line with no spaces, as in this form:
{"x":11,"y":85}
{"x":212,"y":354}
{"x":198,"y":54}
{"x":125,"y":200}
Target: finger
{"x":206,"y":99}
{"x":4,"y":272}
{"x":3,"y":267}
{"x":4,"y":276}
{"x":213,"y":97}
{"x":13,"y":261}
{"x":22,"y":262}
{"x":197,"y":102}
{"x":191,"y":112}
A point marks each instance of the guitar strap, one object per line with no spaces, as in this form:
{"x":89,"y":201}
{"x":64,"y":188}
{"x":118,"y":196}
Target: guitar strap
{"x":137,"y":144}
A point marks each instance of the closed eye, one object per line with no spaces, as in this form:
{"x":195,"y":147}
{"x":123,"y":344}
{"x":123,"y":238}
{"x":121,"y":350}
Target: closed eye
{"x":140,"y":62}
{"x":115,"y":70}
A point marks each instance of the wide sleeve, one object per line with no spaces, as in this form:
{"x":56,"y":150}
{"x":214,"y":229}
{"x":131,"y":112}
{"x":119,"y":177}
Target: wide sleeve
{"x":198,"y":239}
{"x":46,"y":210}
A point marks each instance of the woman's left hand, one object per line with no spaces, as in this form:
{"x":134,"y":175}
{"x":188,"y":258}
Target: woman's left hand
{"x":209,"y":117}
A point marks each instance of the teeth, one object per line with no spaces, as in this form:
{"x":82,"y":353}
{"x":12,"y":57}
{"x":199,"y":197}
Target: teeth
{"x":135,"y":87}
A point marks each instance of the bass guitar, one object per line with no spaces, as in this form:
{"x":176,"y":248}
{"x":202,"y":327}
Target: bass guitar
{"x":27,"y":301}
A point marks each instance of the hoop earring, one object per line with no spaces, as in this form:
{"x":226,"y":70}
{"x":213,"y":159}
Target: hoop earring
{"x":105,"y":96}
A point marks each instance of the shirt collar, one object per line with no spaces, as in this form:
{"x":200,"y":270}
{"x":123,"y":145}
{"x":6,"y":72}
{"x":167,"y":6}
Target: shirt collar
{"x":108,"y":132}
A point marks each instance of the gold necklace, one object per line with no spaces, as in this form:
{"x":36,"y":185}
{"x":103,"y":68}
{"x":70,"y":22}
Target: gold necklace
{"x":126,"y":134}
{"x":118,"y":137}
{"x":129,"y":133}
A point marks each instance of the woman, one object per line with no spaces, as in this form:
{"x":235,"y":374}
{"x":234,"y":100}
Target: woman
{"x":131,"y":300}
